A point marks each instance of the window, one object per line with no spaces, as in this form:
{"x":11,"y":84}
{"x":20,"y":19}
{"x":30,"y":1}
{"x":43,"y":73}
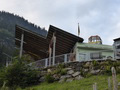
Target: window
{"x":118,"y":46}
{"x":118,"y":54}
{"x":95,"y":55}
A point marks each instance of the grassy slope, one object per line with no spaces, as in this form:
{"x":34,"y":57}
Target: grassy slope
{"x":84,"y":84}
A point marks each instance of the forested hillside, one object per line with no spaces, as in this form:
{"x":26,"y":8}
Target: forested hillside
{"x":7,"y":30}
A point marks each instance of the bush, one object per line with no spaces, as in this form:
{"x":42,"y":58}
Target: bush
{"x":88,"y":75}
{"x":108,"y":69}
{"x":49,"y":78}
{"x":60,"y":70}
{"x":60,"y":66}
{"x":95,"y":63}
{"x":1,"y":77}
{"x":63,"y":72}
{"x":20,"y":74}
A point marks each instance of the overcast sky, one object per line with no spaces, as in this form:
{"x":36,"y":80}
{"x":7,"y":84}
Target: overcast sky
{"x":96,"y":17}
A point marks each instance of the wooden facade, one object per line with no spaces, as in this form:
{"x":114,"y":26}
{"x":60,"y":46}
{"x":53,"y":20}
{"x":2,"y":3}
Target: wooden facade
{"x":38,"y":46}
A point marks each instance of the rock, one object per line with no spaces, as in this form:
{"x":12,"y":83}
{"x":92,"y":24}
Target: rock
{"x":69,"y":80}
{"x":95,"y":72}
{"x":76,"y":74}
{"x":49,"y":71}
{"x":119,"y":84}
{"x":70,"y":72}
{"x":68,"y":68}
{"x":42,"y":79}
{"x":88,"y":63}
{"x":86,"y":70}
{"x":61,"y":80}
{"x":65,"y":76}
{"x":119,"y":67}
{"x":56,"y":77}
{"x":78,"y":77}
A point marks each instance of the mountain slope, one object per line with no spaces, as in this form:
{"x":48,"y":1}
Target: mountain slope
{"x":7,"y":30}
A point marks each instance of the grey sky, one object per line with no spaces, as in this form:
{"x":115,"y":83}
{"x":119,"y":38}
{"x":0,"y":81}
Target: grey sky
{"x":96,"y":17}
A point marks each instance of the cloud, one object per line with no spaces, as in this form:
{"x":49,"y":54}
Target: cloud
{"x":95,"y":17}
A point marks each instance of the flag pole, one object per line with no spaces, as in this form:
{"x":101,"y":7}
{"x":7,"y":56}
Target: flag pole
{"x":78,"y":30}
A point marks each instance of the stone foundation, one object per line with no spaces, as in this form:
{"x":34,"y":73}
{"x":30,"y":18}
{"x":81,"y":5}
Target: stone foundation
{"x":78,"y":70}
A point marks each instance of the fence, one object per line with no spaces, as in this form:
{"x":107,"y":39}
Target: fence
{"x":113,"y":85}
{"x":58,"y":59}
{"x":69,"y":57}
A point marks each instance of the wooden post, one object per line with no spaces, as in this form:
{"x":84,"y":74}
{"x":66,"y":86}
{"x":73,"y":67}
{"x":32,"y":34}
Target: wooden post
{"x":50,"y":50}
{"x":65,"y":58}
{"x":46,"y":62}
{"x":21,"y":45}
{"x":54,"y":44}
{"x":95,"y":86}
{"x":109,"y":84}
{"x":114,"y":78}
{"x":7,"y":62}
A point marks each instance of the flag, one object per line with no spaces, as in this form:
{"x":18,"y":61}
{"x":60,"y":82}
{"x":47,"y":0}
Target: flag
{"x":51,"y":42}
{"x":78,"y":30}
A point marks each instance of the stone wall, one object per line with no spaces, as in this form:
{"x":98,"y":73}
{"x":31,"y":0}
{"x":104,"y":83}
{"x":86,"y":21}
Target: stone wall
{"x":78,"y":70}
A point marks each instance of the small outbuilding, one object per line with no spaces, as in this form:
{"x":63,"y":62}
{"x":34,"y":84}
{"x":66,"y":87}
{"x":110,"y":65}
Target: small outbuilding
{"x":90,"y":51}
{"x":116,"y":46}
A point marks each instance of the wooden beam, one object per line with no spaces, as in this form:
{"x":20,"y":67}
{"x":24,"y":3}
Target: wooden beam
{"x":21,"y":45}
{"x":54,"y":46}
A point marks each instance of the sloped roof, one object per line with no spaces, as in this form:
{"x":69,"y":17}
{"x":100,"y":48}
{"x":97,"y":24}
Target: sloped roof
{"x":117,"y":39}
{"x":94,"y":46}
{"x":36,"y":44}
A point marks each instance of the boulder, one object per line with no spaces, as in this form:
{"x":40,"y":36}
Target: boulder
{"x":56,"y":77}
{"x":70,"y":72}
{"x":118,"y":83}
{"x":68,"y":69}
{"x":86,"y":70}
{"x":69,"y":80}
{"x":42,"y":79}
{"x":88,"y":63}
{"x":119,"y":67}
{"x":78,"y":77}
{"x":76,"y":74}
{"x":49,"y":70}
{"x":65,"y":76}
{"x":95,"y":72}
{"x":61,"y":80}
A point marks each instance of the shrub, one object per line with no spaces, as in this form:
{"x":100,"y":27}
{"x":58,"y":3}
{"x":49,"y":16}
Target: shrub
{"x":20,"y":74}
{"x":82,"y":72}
{"x":49,"y":78}
{"x":60,"y":70}
{"x":108,"y":70}
{"x":95,"y":63}
{"x":109,"y":62}
{"x":88,"y":75}
{"x":61,"y":66}
{"x":56,"y":71}
{"x":116,"y":64}
{"x":63,"y":72}
{"x":1,"y":78}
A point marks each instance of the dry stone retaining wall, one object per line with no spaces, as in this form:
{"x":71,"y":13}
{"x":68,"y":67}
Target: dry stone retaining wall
{"x":78,"y":70}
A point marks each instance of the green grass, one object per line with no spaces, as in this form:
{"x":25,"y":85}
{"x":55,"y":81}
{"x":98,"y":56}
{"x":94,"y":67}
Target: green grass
{"x":84,"y":84}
